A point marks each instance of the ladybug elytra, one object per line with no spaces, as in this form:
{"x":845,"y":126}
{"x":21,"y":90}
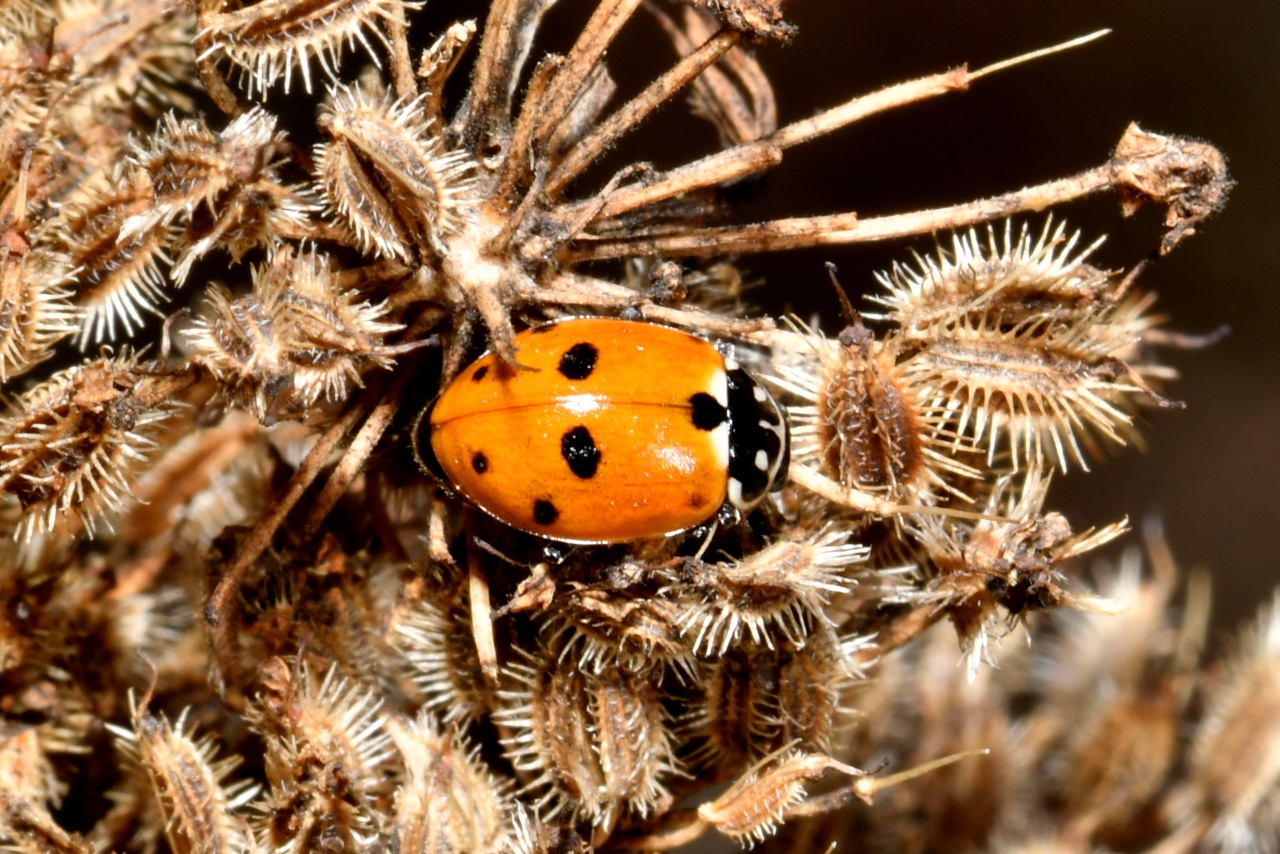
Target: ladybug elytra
{"x":615,"y":430}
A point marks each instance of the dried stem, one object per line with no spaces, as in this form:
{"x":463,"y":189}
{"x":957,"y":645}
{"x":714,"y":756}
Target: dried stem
{"x":609,"y":131}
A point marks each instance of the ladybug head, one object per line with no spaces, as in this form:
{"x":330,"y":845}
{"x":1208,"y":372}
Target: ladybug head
{"x":759,"y":441}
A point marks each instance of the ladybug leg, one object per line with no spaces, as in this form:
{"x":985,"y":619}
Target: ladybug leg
{"x":706,"y":540}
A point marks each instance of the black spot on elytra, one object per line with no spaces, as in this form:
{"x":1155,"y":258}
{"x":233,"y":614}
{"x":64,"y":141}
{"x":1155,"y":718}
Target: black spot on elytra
{"x":479,"y":373}
{"x":696,"y":500}
{"x":579,"y":361}
{"x":579,"y":450}
{"x":544,"y":512}
{"x":708,"y":414}
{"x":479,"y":462}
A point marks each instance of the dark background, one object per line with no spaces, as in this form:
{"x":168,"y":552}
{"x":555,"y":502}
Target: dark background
{"x":1206,"y":70}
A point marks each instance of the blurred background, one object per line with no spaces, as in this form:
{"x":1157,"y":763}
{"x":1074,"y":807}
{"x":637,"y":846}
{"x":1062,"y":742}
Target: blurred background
{"x":1206,"y":70}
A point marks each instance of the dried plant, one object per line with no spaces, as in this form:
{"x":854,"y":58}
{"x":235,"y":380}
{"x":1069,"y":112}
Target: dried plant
{"x":222,"y":500}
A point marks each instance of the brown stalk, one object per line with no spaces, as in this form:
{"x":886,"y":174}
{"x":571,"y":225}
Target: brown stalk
{"x":207,"y":63}
{"x":838,"y":229}
{"x":609,"y":131}
{"x":508,"y":32}
{"x":261,"y":535}
{"x":356,"y":455}
{"x":598,"y":33}
{"x":712,"y":170}
{"x":902,"y":94}
{"x":520,"y":151}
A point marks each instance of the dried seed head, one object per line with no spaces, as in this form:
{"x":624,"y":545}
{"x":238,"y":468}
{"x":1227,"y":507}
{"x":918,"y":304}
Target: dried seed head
{"x":435,"y":638}
{"x":597,"y":743}
{"x":223,"y":188}
{"x":188,"y":783}
{"x":1017,"y":279}
{"x":114,"y":279}
{"x":267,"y":40}
{"x":988,"y":568}
{"x":1235,"y":761}
{"x":780,"y":589}
{"x":296,"y":338}
{"x":448,"y":803}
{"x":142,"y":56}
{"x":35,"y":307}
{"x":73,"y":443}
{"x":387,"y":175}
{"x":636,"y":632}
{"x":326,"y":758}
{"x":1020,"y":343}
{"x":756,"y":804}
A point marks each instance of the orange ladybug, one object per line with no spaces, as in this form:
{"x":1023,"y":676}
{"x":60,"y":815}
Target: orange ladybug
{"x":617,"y":430}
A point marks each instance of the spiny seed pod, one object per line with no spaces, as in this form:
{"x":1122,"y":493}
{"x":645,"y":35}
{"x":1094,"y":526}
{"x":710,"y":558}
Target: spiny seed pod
{"x":780,"y":589}
{"x":35,"y":307}
{"x":143,"y":57}
{"x":1016,"y":279}
{"x":984,"y":568}
{"x":1235,"y":761}
{"x":269,"y":39}
{"x":188,"y":783}
{"x":597,"y":743}
{"x":201,"y":485}
{"x":734,"y":720}
{"x":387,"y":177}
{"x":448,"y":804}
{"x":810,"y":681}
{"x":1021,"y":344}
{"x":327,"y":751}
{"x":25,"y":768}
{"x":862,"y":421}
{"x":296,"y":338}
{"x":224,"y":188}
{"x":114,"y":279}
{"x":435,"y":638}
{"x":71,"y":444}
{"x":603,"y":628}
{"x":756,"y":804}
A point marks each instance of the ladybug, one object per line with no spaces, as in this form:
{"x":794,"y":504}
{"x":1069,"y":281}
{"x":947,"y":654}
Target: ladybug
{"x":609,"y":431}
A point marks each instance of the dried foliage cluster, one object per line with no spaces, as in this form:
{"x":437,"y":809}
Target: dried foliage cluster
{"x":236,"y":618}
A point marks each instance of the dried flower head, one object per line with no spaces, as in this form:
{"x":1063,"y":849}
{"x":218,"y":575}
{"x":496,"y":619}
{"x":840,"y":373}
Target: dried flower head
{"x":187,"y":782}
{"x":594,"y":743}
{"x":392,"y":670}
{"x":298,"y":337}
{"x":74,"y":443}
{"x":388,"y":176}
{"x":269,"y":40}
